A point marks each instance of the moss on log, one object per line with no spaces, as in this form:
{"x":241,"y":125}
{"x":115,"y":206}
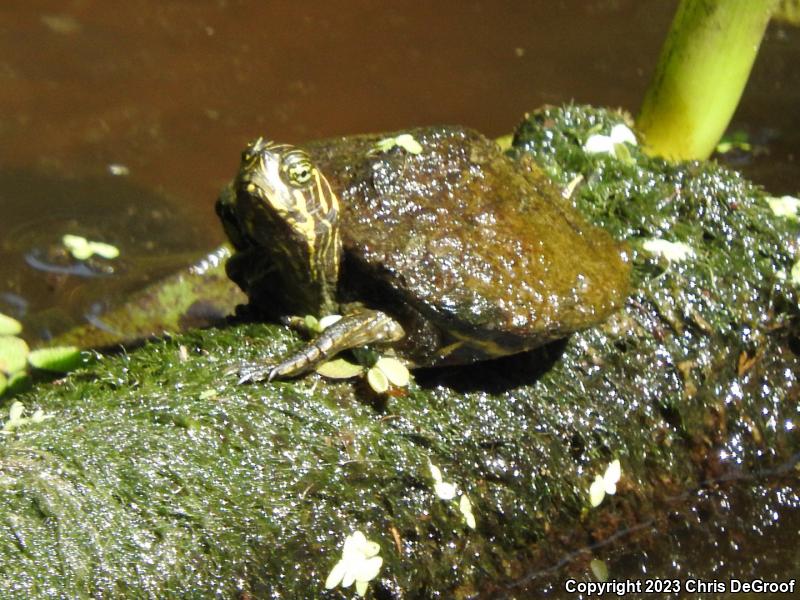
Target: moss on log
{"x":158,"y":476}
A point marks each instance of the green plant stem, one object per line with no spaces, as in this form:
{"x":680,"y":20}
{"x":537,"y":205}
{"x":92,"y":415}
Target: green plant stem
{"x":704,"y":66}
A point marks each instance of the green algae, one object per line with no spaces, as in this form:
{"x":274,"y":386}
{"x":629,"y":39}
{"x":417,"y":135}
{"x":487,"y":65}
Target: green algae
{"x":158,"y":476}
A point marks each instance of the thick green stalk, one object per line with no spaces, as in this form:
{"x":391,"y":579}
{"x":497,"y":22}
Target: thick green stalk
{"x":704,"y":66}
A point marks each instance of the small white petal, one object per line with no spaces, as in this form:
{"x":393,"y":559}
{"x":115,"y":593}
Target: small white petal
{"x":328,"y":320}
{"x":435,"y":472}
{"x":609,"y":488}
{"x":349,"y":577}
{"x":469,"y":518}
{"x":16,"y":411}
{"x":370,"y":549}
{"x":353,"y":543}
{"x":445,"y":490}
{"x":613,"y":472}
{"x":599,"y":144}
{"x":395,"y":371}
{"x":104,"y":250}
{"x":465,"y":506}
{"x":336,"y":575}
{"x":621,"y":133}
{"x":672,"y":251}
{"x":785,"y":206}
{"x":119,"y":170}
{"x":367,"y":569}
{"x":597,"y":491}
{"x":361,"y":587}
{"x":407,"y":142}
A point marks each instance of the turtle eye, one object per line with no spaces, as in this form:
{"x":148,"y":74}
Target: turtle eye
{"x":298,"y":169}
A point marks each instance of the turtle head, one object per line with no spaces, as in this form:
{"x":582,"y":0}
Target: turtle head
{"x":281,"y":213}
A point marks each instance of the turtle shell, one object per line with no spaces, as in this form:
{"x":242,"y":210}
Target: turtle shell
{"x":477,"y":246}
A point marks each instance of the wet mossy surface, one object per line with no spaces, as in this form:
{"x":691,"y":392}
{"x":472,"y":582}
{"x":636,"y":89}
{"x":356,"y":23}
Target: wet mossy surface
{"x":159,"y":476}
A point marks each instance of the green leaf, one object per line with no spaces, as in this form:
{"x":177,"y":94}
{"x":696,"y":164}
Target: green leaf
{"x":339,"y":368}
{"x":60,"y":359}
{"x":3,"y":383}
{"x":13,"y":354}
{"x":9,"y":326}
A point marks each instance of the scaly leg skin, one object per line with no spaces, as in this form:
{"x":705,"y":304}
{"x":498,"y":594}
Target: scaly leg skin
{"x":359,"y":328}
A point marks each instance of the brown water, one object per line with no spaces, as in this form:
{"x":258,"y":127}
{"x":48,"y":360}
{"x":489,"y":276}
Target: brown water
{"x":172,"y":90}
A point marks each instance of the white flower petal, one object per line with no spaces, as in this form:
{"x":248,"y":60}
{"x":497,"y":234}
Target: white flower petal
{"x":16,"y":411}
{"x":435,"y":472}
{"x":328,"y":320}
{"x":353,"y":543}
{"x":597,"y":491}
{"x":395,"y":371}
{"x":367,"y":569}
{"x":785,"y":206}
{"x":609,"y":488}
{"x":349,"y":577}
{"x":613,"y":472}
{"x":445,"y":490}
{"x":104,"y":250}
{"x":621,"y":133}
{"x":370,"y":549}
{"x":407,"y":142}
{"x":672,"y":251}
{"x":361,"y":587}
{"x":470,"y":521}
{"x":599,"y":144}
{"x":336,"y":575}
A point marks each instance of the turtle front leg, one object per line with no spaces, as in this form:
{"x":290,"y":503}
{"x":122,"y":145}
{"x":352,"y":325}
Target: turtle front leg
{"x":360,"y":328}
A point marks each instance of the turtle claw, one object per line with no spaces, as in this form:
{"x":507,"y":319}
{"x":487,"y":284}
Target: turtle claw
{"x":252,"y":376}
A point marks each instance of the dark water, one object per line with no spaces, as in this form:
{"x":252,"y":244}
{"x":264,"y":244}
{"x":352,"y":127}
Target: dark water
{"x":172,"y":90}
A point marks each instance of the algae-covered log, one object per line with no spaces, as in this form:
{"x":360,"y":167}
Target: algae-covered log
{"x":158,"y":476}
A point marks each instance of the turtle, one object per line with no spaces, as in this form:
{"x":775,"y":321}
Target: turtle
{"x":431,"y":243}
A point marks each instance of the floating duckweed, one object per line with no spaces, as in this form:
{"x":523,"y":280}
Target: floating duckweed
{"x":339,"y":368}
{"x":311,"y":323}
{"x":9,"y":326}
{"x":605,"y":484}
{"x":406,"y":141}
{"x":377,"y":380}
{"x":395,"y":371}
{"x":13,"y":354}
{"x":599,"y":569}
{"x":785,"y":206}
{"x":672,"y":251}
{"x":82,"y":249}
{"x":360,"y":563}
{"x":736,"y":141}
{"x":60,"y":359}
